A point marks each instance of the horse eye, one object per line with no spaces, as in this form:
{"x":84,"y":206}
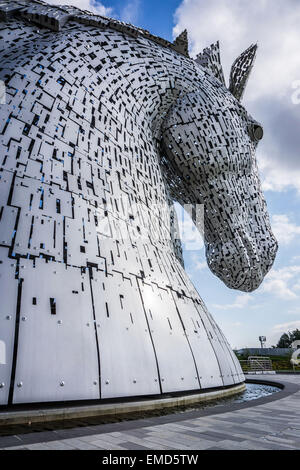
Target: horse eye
{"x":256,"y":132}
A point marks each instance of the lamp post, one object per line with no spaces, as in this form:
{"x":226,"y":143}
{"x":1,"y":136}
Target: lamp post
{"x":262,"y":340}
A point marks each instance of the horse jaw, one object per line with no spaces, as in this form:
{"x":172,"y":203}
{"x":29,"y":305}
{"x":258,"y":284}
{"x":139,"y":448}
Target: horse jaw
{"x":241,"y":252}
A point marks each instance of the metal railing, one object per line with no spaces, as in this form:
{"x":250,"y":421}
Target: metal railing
{"x":256,"y":364}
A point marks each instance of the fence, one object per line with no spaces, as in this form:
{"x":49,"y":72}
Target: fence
{"x":257,"y":364}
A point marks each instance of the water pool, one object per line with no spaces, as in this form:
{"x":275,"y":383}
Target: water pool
{"x":253,"y":392}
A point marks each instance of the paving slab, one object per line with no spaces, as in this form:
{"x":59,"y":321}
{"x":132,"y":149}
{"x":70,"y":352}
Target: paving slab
{"x":264,"y":424}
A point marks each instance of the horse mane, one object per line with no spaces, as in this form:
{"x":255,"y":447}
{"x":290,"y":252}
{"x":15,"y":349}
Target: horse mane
{"x":56,"y":17}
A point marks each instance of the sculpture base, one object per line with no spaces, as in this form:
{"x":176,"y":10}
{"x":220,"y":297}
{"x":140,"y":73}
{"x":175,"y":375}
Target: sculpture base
{"x":111,"y":410}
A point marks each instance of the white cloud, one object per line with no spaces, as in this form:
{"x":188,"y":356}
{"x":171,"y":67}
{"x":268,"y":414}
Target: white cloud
{"x":195,"y":263}
{"x":198,"y":266}
{"x":286,"y":273}
{"x":279,"y":288}
{"x":90,"y":5}
{"x":271,"y":96}
{"x":284,"y":230}
{"x":277,"y":330}
{"x":189,"y":233}
{"x":241,"y":301}
{"x":195,"y":266}
{"x":274,"y":175}
{"x":282,"y":282}
{"x":294,"y":311}
{"x":274,"y":25}
{"x":289,"y":326}
{"x":130,"y":11}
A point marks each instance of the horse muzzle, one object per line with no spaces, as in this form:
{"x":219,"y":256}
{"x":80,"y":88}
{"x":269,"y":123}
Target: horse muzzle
{"x":243,"y":266}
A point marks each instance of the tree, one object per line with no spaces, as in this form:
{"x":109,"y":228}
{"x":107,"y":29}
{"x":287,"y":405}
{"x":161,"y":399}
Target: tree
{"x":286,"y":339}
{"x":296,"y":334}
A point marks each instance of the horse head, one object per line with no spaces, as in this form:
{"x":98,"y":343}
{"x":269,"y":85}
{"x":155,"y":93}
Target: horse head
{"x":209,"y":144}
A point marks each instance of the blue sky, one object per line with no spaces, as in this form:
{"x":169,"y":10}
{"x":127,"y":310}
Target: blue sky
{"x":155,"y":15}
{"x":273,"y":98}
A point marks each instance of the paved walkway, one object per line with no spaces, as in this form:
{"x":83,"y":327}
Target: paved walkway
{"x":268,"y":425}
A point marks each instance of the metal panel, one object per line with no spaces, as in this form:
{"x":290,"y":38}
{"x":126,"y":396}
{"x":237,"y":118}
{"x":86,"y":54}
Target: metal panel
{"x":176,"y":365}
{"x":227,"y":368}
{"x":238,"y":373}
{"x":8,"y":296}
{"x":203,"y":351}
{"x":127,"y":359}
{"x":57,"y":353}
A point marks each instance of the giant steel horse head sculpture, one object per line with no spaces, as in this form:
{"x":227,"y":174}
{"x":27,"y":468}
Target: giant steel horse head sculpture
{"x":103,"y":126}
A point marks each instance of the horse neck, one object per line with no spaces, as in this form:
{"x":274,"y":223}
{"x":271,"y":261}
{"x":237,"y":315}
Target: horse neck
{"x":136,"y":91}
{"x":122,"y":89}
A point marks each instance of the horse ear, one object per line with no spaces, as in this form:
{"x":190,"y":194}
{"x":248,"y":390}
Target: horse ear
{"x":181,"y":43}
{"x":210,"y":60}
{"x":240,"y":71}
